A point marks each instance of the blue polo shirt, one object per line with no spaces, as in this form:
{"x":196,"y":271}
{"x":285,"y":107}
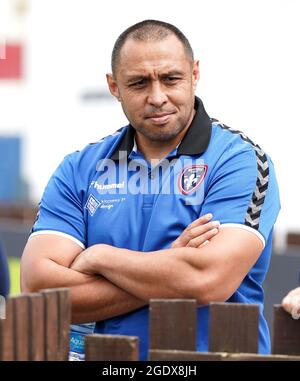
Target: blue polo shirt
{"x":107,"y":193}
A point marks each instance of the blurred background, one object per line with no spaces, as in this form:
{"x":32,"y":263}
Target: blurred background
{"x":54,"y":100}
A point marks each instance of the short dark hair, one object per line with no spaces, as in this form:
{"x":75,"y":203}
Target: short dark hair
{"x":148,"y":30}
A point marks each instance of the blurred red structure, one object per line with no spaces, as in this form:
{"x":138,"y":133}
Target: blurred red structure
{"x":11,"y":63}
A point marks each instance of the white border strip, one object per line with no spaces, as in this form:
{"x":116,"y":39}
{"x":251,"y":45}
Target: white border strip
{"x":245,"y":227}
{"x":54,"y":232}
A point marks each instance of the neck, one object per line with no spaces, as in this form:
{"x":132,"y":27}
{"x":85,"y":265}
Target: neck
{"x":153,"y":150}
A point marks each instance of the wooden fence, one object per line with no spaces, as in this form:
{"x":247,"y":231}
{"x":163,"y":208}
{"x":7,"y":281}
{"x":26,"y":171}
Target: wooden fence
{"x":37,"y":328}
{"x":233,"y":335}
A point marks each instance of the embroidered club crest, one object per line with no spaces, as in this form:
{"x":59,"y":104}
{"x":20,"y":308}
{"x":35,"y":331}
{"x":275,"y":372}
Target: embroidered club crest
{"x":191,"y":177}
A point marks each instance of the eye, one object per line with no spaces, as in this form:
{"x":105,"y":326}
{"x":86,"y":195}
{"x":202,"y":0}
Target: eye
{"x":171,"y":79}
{"x":139,"y":83}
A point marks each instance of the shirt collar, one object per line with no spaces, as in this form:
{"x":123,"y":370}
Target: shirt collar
{"x":195,"y":141}
{"x":134,"y":148}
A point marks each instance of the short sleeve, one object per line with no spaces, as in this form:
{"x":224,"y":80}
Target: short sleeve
{"x":61,"y":210}
{"x":242,"y":191}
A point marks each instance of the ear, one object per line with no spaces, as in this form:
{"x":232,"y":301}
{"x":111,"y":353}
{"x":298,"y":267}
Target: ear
{"x":112,"y":85}
{"x":195,"y":74}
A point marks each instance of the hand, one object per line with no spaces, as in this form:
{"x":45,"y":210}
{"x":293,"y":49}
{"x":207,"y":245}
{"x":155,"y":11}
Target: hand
{"x":86,"y":261}
{"x":198,"y":233}
{"x":291,"y":303}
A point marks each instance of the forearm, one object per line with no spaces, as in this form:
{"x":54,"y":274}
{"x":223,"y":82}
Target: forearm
{"x":161,"y":274}
{"x":209,"y":273}
{"x":45,"y":273}
{"x":100,"y":300}
{"x":93,"y":297}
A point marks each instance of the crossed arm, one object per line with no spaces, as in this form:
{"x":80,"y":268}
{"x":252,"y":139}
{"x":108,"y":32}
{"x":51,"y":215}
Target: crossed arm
{"x":45,"y":264}
{"x":106,"y":281}
{"x":210,"y":273}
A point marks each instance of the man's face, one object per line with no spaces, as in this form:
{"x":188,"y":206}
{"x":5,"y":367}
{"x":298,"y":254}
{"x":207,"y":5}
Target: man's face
{"x":155,"y":82}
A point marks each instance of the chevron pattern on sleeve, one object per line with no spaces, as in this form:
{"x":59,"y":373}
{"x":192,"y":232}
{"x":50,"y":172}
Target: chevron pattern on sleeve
{"x":262,"y":182}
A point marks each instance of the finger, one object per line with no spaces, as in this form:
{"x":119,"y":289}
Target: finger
{"x":295,"y":291}
{"x":200,"y":221}
{"x":295,"y":303}
{"x":199,"y":230}
{"x":204,"y":244}
{"x":198,"y":241}
{"x":288,"y":300}
{"x":286,"y":303}
{"x":189,"y":232}
{"x":291,"y":303}
{"x":189,"y":235}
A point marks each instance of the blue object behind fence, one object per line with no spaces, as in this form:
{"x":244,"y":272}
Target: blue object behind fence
{"x":4,"y":273}
{"x":10,"y":173}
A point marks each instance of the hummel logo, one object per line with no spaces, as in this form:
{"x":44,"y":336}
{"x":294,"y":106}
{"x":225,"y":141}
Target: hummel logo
{"x":108,"y":186}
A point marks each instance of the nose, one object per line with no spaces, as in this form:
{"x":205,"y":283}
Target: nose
{"x":157,"y":97}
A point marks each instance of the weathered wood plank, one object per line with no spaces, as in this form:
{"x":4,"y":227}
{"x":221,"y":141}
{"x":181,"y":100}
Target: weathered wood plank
{"x":64,"y":321}
{"x":174,"y":355}
{"x":7,"y":333}
{"x":37,"y":327}
{"x":21,"y":322}
{"x":293,"y":239}
{"x":255,"y":357}
{"x":111,"y":348}
{"x":286,"y":333}
{"x":233,"y":327}
{"x":51,"y":323}
{"x":173,"y":324}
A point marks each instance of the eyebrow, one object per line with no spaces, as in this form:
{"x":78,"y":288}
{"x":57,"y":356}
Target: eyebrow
{"x":172,"y":73}
{"x":134,"y":78}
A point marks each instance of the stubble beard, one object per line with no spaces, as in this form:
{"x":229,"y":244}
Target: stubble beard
{"x":160,"y":134}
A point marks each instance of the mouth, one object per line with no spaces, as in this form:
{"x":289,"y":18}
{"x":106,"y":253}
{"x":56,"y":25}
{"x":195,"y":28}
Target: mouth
{"x":160,"y":118}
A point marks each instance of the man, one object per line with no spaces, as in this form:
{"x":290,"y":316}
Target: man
{"x":116,"y":219}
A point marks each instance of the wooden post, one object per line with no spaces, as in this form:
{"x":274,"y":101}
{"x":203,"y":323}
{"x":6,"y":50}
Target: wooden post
{"x":286,"y":333}
{"x":293,"y":239}
{"x":233,"y":327}
{"x":21,"y":326}
{"x":51,"y":323}
{"x":64,"y":312}
{"x":174,"y":355}
{"x":256,"y":357}
{"x":165,"y":355}
{"x":111,"y":348}
{"x":7,"y":336}
{"x":37,"y":327}
{"x":173,"y":324}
